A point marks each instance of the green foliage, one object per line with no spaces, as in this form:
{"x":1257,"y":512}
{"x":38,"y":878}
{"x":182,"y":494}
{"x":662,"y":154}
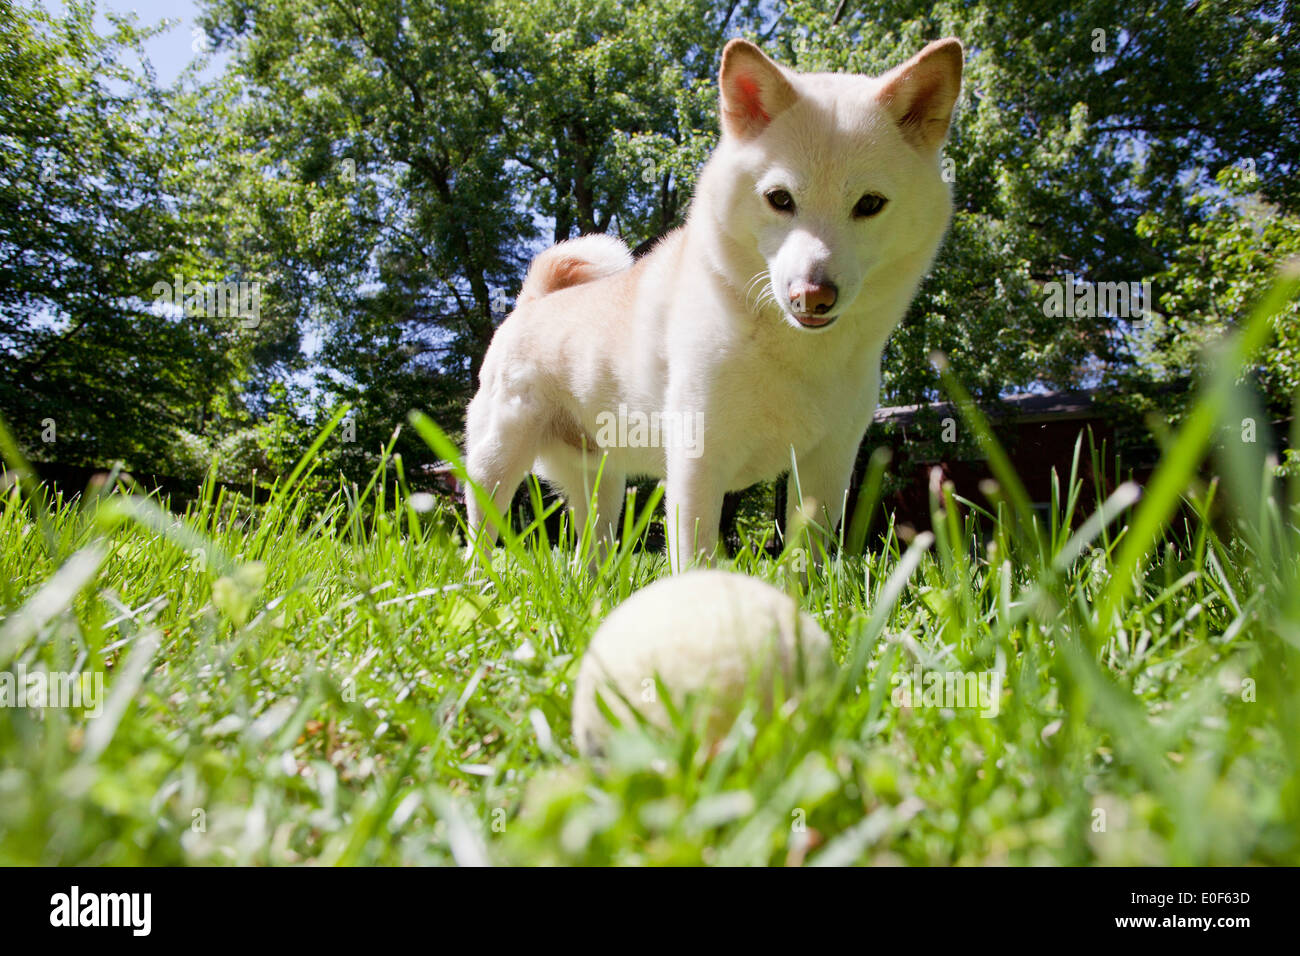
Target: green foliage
{"x":1216,"y":270}
{"x":613,"y":112}
{"x":107,"y":207}
{"x":86,"y":228}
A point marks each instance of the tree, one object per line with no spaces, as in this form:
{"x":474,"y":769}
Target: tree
{"x":123,"y":328}
{"x":1216,"y":272}
{"x":612,"y":107}
{"x":92,"y":371}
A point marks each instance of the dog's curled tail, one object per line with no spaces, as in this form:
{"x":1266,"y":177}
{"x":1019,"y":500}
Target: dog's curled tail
{"x":573,"y":262}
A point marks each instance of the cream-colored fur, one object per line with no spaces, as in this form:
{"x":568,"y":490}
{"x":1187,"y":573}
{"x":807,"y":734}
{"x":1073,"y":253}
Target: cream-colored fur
{"x":714,"y":325}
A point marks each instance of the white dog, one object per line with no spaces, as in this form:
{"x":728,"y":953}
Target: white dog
{"x":753,"y":331}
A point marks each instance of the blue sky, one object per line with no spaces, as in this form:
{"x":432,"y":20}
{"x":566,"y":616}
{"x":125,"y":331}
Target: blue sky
{"x":169,"y":52}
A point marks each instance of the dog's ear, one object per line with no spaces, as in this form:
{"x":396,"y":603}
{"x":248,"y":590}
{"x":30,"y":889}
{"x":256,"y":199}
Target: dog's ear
{"x":753,"y":90}
{"x":920,"y":94}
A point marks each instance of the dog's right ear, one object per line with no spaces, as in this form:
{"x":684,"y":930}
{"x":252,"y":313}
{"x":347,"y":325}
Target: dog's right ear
{"x":753,"y":90}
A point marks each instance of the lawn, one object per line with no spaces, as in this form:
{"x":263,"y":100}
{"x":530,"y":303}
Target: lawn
{"x":327,"y":679}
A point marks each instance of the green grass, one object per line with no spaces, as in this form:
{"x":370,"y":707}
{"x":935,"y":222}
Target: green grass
{"x":291,"y":683}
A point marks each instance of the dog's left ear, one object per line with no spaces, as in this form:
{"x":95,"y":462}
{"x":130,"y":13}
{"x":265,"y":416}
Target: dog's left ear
{"x":752,"y":89}
{"x":920,"y":94}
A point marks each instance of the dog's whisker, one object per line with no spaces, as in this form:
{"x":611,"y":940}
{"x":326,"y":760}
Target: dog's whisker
{"x":754,"y":285}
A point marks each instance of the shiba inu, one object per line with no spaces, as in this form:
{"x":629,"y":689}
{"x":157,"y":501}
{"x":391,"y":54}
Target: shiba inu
{"x":755,"y":330}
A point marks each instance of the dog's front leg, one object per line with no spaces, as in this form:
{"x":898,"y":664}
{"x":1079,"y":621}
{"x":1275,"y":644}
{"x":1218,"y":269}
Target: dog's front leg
{"x":823,"y":480}
{"x":693,"y":508}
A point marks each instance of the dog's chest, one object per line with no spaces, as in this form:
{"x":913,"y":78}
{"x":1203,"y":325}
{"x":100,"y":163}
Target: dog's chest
{"x":765,"y":403}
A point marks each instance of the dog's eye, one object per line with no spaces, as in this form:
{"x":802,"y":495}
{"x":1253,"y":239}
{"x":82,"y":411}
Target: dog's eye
{"x":780,"y":200}
{"x":868,"y":206}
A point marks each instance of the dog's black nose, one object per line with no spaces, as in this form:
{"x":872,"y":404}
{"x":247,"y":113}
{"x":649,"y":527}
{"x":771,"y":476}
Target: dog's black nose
{"x":809,"y":298}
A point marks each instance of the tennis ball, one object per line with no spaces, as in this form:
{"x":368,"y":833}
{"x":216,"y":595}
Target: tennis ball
{"x":706,"y":632}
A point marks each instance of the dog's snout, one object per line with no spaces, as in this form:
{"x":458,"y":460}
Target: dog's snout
{"x":811,"y":298}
